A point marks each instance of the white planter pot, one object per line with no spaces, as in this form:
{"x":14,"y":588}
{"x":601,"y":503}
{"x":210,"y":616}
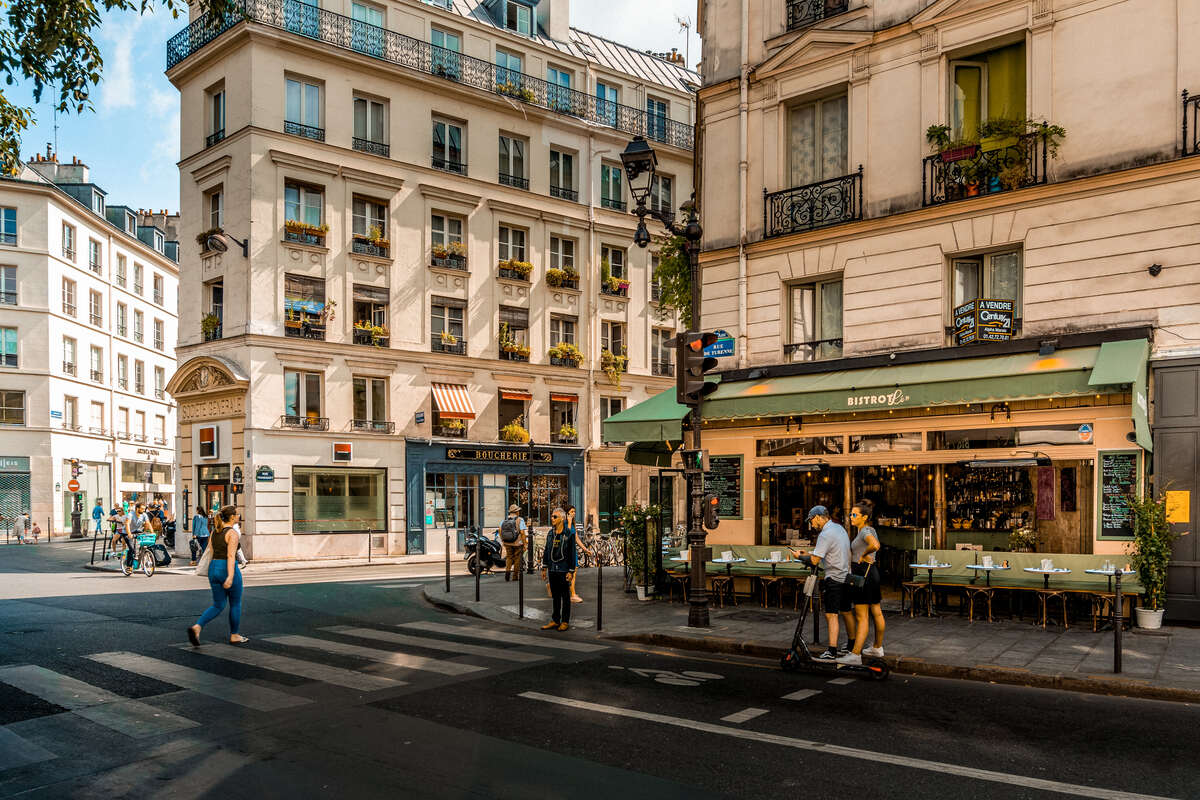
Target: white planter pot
{"x":642,"y":594}
{"x":1150,"y":620}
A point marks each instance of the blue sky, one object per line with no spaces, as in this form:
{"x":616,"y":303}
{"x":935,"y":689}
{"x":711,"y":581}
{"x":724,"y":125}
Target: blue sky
{"x":131,"y":140}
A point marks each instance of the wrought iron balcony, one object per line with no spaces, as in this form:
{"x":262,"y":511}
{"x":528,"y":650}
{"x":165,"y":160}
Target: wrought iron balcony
{"x":137,"y":287}
{"x":212,"y":335}
{"x":97,"y":376}
{"x":366,"y":337}
{"x":69,"y":368}
{"x":302,"y":19}
{"x":457,"y":167}
{"x":96,"y":267}
{"x":515,"y":181}
{"x":558,"y":438}
{"x":506,"y":355}
{"x":123,"y":383}
{"x":214,"y":137}
{"x":160,"y":440}
{"x":373,"y":426}
{"x":69,"y":253}
{"x":816,"y":350}
{"x":458,"y":348}
{"x":304,"y":237}
{"x":620,"y":291}
{"x":304,"y":330}
{"x":304,"y":423}
{"x":449,"y":262}
{"x":69,"y":309}
{"x":1191,"y":124}
{"x":140,"y":437}
{"x":981,"y":172}
{"x":512,"y":274}
{"x":816,"y":205}
{"x":564,"y":193}
{"x":615,"y":205}
{"x":159,"y":394}
{"x":802,"y":13}
{"x":96,"y":319}
{"x":367,"y":248}
{"x":662,"y":368}
{"x":374,"y":148}
{"x":307,"y":131}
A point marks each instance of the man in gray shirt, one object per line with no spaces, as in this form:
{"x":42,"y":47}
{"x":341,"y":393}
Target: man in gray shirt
{"x":832,"y":552}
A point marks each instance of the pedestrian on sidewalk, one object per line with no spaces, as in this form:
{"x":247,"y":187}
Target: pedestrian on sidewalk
{"x":97,"y":515}
{"x":869,"y":596}
{"x":512,"y":537}
{"x":832,"y":552}
{"x":116,"y":523}
{"x":224,"y":578}
{"x":23,"y":528}
{"x":579,"y":545}
{"x":559,"y":561}
{"x":200,"y":533}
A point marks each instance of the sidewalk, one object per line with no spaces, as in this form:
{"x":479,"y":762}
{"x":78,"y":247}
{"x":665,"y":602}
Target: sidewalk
{"x":180,"y":566}
{"x":1163,"y":665}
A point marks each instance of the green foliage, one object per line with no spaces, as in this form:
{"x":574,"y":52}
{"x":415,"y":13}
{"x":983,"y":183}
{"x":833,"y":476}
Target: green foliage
{"x":636,"y":525}
{"x":1151,"y":548}
{"x":52,"y":45}
{"x":674,"y":277}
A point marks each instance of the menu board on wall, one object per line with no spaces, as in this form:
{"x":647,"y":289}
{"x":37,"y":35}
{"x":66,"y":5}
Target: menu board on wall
{"x":1118,"y":483}
{"x":724,"y":479}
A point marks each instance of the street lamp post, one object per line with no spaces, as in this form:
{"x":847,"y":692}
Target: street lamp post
{"x":640,"y":162}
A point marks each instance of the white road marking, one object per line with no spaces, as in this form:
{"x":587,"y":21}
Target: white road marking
{"x":295,"y":666}
{"x":802,"y":694}
{"x":382,"y":656}
{"x":537,"y":614}
{"x":873,"y":756}
{"x":16,"y":751}
{"x":231,"y":690}
{"x":121,"y":714}
{"x":841,"y":681}
{"x":745,"y":715}
{"x":438,"y":644}
{"x":547,"y":640}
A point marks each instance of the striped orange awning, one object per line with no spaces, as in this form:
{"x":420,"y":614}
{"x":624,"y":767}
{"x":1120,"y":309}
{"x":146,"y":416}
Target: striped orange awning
{"x":453,"y":401}
{"x":515,"y":394}
{"x":564,"y":398}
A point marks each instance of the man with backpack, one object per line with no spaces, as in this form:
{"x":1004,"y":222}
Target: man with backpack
{"x":512,"y":536}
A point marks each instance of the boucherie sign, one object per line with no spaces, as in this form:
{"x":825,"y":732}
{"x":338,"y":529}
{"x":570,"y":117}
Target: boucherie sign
{"x":984,"y":321}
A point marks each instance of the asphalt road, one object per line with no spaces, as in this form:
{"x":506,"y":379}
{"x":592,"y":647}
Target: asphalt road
{"x":357,"y":688}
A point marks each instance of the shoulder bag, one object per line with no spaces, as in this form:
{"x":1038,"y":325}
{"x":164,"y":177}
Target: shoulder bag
{"x":205,"y":560}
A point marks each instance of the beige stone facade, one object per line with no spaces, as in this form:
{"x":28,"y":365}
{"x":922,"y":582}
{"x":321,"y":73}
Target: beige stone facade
{"x":386,"y":129}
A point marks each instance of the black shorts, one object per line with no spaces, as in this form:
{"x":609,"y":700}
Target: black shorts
{"x":836,"y":597}
{"x":870,"y":593}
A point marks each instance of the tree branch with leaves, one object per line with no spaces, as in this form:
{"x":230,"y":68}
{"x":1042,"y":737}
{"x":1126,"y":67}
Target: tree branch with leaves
{"x":674,"y":278}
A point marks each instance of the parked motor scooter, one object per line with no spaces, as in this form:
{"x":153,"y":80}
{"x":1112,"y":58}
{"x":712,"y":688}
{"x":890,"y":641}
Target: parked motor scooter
{"x":480,"y":550}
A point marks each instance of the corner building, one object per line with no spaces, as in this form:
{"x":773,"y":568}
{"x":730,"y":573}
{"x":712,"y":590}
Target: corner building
{"x":438,"y":253}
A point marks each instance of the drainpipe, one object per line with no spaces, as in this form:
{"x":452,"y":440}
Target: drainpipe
{"x":743,"y":180}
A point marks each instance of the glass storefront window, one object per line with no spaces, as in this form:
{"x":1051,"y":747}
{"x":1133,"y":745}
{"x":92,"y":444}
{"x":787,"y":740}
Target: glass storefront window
{"x":886,"y":443}
{"x":549,"y":492}
{"x":455,"y":499}
{"x":338,"y":500}
{"x":801,"y":446}
{"x":135,"y":472}
{"x":980,"y":438}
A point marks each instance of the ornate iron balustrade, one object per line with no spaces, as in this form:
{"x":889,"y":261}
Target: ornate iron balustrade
{"x":1191,"y":124}
{"x":512,"y":274}
{"x":508,"y":355}
{"x":449,"y":262}
{"x":368,"y":146}
{"x":446,"y":164}
{"x":620,"y":291}
{"x":123,"y":383}
{"x":987,"y":172}
{"x":96,"y":319}
{"x":214,"y":137}
{"x":801,"y":13}
{"x":458,"y":348}
{"x":615,"y":205}
{"x":304,"y":423}
{"x":816,"y":205}
{"x":373,"y":426}
{"x":304,"y":237}
{"x":97,"y":376}
{"x":341,"y":31}
{"x":558,"y":438}
{"x":662,"y":368}
{"x":515,"y":181}
{"x":366,"y":337}
{"x":307,"y":131}
{"x":304,"y":330}
{"x":159,"y":394}
{"x":368,"y":248}
{"x":564,"y":193}
{"x":815,"y":350}
{"x":69,"y":368}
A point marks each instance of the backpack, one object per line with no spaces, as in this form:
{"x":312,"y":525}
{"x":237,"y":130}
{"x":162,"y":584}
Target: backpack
{"x":509,"y":532}
{"x":161,"y":557}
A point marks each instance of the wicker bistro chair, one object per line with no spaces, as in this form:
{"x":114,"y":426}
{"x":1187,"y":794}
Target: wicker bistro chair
{"x":720,"y":586}
{"x":981,"y":593}
{"x":910,"y":595}
{"x":680,"y":580}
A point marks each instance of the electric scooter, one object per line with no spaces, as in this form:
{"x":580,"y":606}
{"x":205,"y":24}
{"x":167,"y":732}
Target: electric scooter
{"x":798,"y":657}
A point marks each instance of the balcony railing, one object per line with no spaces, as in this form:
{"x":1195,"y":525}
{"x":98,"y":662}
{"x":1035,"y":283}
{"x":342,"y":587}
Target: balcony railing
{"x":449,"y":262}
{"x":97,"y":376}
{"x":374,"y":148}
{"x":662,"y":368}
{"x":815,"y":350}
{"x":158,"y":394}
{"x":160,"y":440}
{"x":373,"y":426}
{"x":69,"y":253}
{"x":69,"y":368}
{"x":458,"y":348}
{"x":615,"y":205}
{"x":816,"y":205}
{"x":123,"y":383}
{"x":512,"y":274}
{"x":450,"y":433}
{"x":307,"y":131}
{"x":140,"y":388}
{"x":158,"y":343}
{"x":366,"y":248}
{"x":304,"y":330}
{"x":214,"y":137}
{"x":137,"y":288}
{"x":515,"y":181}
{"x":1002,"y":169}
{"x":558,"y":438}
{"x":457,"y":167}
{"x":304,"y":237}
{"x":213,"y":334}
{"x":304,"y":423}
{"x":801,"y":13}
{"x":158,"y":297}
{"x":506,"y":355}
{"x":341,"y":31}
{"x":71,"y":426}
{"x":96,"y":267}
{"x":1191,"y":124}
{"x":620,"y":291}
{"x":564,"y":193}
{"x":140,"y":437}
{"x":96,"y":319}
{"x":123,"y":435}
{"x":69,"y":309}
{"x":366,"y":337}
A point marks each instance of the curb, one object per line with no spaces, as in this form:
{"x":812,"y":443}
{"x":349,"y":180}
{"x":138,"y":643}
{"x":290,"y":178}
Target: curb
{"x":469,"y":607}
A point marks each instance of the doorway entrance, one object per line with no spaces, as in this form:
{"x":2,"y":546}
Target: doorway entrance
{"x":613,"y":491}
{"x":214,"y":487}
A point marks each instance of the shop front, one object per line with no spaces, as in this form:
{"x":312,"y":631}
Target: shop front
{"x":14,"y":490}
{"x":455,"y":487}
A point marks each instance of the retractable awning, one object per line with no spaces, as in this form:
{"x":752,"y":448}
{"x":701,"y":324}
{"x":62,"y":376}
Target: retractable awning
{"x":1125,"y":362}
{"x":563,"y":398}
{"x":516,"y":394}
{"x":453,"y":401}
{"x":654,"y":420}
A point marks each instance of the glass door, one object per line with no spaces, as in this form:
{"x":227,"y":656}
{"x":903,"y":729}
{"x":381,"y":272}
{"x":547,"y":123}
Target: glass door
{"x":612,"y":500}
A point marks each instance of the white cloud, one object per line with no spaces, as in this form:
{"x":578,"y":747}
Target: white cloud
{"x":118,"y":86}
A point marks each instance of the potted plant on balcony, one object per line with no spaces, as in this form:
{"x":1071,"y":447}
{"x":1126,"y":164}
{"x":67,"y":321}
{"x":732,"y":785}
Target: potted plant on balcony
{"x":454,"y":427}
{"x":514,"y":432}
{"x":613,"y":365}
{"x":209,"y":324}
{"x":514,"y":90}
{"x":555,"y":277}
{"x":518,"y":269}
{"x":295,"y":226}
{"x":948,"y":148}
{"x":375,"y":333}
{"x":448,"y":339}
{"x":567,"y":352}
{"x":567,"y":433}
{"x":373,"y":236}
{"x":1149,"y":555}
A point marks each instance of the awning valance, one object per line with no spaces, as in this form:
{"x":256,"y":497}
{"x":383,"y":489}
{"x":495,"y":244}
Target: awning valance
{"x":453,"y":401}
{"x":564,"y":398}
{"x":654,"y":420}
{"x":515,"y":394}
{"x":1125,"y":362}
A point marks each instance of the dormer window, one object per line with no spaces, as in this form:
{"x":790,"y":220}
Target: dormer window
{"x":160,"y":242}
{"x":130,"y":224}
{"x":519,"y":17}
{"x":98,"y":202}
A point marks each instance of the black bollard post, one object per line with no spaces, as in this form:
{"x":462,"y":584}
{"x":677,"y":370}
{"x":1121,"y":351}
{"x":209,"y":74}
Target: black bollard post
{"x":520,"y":591}
{"x":599,"y":595}
{"x":478,"y":569}
{"x":1118,"y":622}
{"x":447,"y":561}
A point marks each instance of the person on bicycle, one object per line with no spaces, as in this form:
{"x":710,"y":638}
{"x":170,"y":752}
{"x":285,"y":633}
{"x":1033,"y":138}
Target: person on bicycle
{"x":137,"y":524}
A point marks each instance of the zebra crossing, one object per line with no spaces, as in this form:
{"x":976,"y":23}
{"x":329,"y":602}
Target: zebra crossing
{"x":393,"y":659}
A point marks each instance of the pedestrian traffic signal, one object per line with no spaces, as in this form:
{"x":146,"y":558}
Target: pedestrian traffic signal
{"x":690,"y":366}
{"x":694,"y":461}
{"x":709,"y":504}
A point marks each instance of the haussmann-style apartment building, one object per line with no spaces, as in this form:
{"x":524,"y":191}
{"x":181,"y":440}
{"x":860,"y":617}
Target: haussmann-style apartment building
{"x":437,"y":264}
{"x":960,"y":262}
{"x":87,"y":346}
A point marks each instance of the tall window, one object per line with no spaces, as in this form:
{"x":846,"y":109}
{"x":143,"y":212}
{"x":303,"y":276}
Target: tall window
{"x":214,"y":205}
{"x":995,"y":276}
{"x":138,"y":271}
{"x":95,"y":260}
{"x":562,"y":175}
{"x":370,"y":309}
{"x":615,"y":256}
{"x":562,"y":253}
{"x":121,"y":271}
{"x":446,"y":316}
{"x":611,"y":195}
{"x":68,"y":294}
{"x":559,"y":89}
{"x":123,"y":372}
{"x":160,"y":429}
{"x":140,"y":425}
{"x":514,"y":322}
{"x":71,"y":412}
{"x":370,"y":400}
{"x":816,"y":321}
{"x":303,"y":304}
{"x":508,"y":69}
{"x":216,"y":116}
{"x":97,"y":364}
{"x":139,"y":326}
{"x":817,"y":140}
{"x":95,"y":308}
{"x":562,"y":415}
{"x":366,"y":31}
{"x":8,"y":347}
{"x":303,"y":111}
{"x":368,"y":214}
{"x":662,"y":351}
{"x":12,"y":408}
{"x":606,"y":102}
{"x":122,"y":421}
{"x":660,"y":193}
{"x":8,"y":286}
{"x":990,"y":85}
{"x":656,"y":119}
{"x":70,"y":356}
{"x":562,"y":330}
{"x":369,"y":120}
{"x":159,"y":339}
{"x":445,"y":59}
{"x":159,"y":296}
{"x":610,"y":406}
{"x":303,"y":204}
{"x":302,"y":395}
{"x":160,"y":382}
{"x":8,"y":226}
{"x":68,"y":242}
{"x":445,"y":230}
{"x":139,"y":377}
{"x":519,"y":18}
{"x":122,"y":319}
{"x":511,"y":244}
{"x":512,"y":162}
{"x":612,"y":337}
{"x":448,"y":146}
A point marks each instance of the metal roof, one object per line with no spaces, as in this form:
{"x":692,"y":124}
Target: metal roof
{"x":602,"y":52}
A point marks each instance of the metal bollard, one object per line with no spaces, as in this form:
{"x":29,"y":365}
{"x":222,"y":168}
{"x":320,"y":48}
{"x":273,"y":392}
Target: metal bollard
{"x":1118,"y":623}
{"x":520,"y":591}
{"x":599,"y":595}
{"x":478,"y":570}
{"x":447,"y":561}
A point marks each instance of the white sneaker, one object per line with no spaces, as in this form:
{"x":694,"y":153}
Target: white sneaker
{"x":850,"y":658}
{"x":877,"y":652}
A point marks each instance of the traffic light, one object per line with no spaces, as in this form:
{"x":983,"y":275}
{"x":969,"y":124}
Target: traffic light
{"x":690,"y":366}
{"x":709,"y":504}
{"x":694,"y":461}
{"x":75,"y":470}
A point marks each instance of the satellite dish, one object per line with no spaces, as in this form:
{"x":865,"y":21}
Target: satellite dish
{"x":216,"y":244}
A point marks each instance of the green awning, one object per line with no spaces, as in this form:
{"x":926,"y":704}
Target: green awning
{"x":651,"y":454}
{"x":1125,"y":362}
{"x":654,"y":420}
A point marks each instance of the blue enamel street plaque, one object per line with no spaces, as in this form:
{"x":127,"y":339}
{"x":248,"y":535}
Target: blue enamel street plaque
{"x":722,"y":347}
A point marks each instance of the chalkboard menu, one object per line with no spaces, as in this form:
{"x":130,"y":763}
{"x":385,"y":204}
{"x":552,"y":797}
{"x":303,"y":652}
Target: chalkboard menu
{"x":1118,"y":482}
{"x":724,"y":479}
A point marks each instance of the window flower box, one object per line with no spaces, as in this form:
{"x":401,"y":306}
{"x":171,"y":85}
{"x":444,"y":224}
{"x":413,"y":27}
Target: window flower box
{"x":565,"y":355}
{"x":301,"y":232}
{"x":515,"y":270}
{"x":562,"y":278}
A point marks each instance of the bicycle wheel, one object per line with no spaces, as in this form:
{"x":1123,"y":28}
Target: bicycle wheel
{"x":147,"y":559}
{"x":126,"y":567}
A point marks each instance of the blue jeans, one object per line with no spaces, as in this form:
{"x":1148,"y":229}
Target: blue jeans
{"x":218,"y":571}
{"x":203,"y":542}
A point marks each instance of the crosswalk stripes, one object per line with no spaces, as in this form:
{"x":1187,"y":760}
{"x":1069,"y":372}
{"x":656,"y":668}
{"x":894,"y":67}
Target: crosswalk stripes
{"x":295,"y":666}
{"x":438,"y":644}
{"x":123,"y":715}
{"x":390,"y":657}
{"x":241,"y":693}
{"x":17,"y":751}
{"x":551,"y":641}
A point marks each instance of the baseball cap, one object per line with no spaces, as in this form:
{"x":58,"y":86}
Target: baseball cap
{"x":817,"y":511}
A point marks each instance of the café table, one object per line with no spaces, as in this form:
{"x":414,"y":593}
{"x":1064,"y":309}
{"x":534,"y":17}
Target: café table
{"x":1109,"y":573}
{"x":987,"y":571}
{"x":929,"y":612}
{"x":1046,"y":593}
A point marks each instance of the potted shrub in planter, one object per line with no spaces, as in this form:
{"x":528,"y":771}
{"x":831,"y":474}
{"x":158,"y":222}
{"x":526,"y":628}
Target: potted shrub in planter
{"x":210,"y":323}
{"x":613,"y":365}
{"x":514,"y":432}
{"x":555,"y":277}
{"x":565,"y":354}
{"x":454,"y":427}
{"x":567,"y":433}
{"x":1023,"y":540}
{"x":516,"y":270}
{"x":636,"y":523}
{"x":950,"y":150}
{"x":367,"y":332}
{"x":304,"y":233}
{"x":1149,"y":555}
{"x":449,"y":339}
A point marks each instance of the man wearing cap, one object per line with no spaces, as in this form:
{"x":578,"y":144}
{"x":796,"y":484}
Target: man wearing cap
{"x":832,"y":552}
{"x":512,"y":536}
